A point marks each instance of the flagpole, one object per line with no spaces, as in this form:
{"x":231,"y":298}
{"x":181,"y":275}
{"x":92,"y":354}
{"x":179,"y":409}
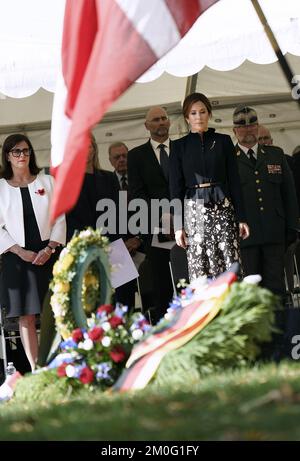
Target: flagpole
{"x":282,"y":60}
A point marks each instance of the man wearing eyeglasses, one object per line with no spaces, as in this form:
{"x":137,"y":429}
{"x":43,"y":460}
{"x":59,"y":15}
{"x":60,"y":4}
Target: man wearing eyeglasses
{"x":118,"y":152}
{"x":270,"y":202}
{"x":148,"y":179}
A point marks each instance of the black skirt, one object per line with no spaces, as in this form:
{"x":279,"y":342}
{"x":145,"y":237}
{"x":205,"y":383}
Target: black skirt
{"x":23,"y":284}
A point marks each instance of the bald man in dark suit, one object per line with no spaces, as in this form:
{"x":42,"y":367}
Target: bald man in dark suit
{"x":148,"y":179}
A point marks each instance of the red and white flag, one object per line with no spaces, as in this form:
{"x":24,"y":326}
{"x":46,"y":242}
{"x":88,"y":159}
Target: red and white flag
{"x":107,"y":45}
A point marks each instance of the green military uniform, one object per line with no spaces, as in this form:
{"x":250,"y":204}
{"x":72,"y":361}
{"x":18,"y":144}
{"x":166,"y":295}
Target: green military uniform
{"x":269,"y":196}
{"x":271,"y":210}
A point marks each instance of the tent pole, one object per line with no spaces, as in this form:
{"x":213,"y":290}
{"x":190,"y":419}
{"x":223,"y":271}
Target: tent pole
{"x":290,"y":76}
{"x":191,"y":84}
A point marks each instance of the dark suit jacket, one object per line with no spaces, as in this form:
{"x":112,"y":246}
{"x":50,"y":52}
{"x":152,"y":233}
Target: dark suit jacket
{"x":102,"y":184}
{"x":296,"y":173}
{"x":145,"y":176}
{"x":269,"y":196}
{"x":207,"y":159}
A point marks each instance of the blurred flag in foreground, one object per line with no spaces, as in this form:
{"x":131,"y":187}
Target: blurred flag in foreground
{"x":106,"y":46}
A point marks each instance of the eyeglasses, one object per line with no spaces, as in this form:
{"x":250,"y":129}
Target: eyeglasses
{"x":119,"y":156}
{"x":17,"y":152}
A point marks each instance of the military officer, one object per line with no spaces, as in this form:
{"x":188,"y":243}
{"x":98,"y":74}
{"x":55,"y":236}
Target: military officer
{"x":270,"y":202}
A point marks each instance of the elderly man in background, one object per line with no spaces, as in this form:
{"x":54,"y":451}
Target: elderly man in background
{"x":264,"y":136}
{"x":118,"y":153}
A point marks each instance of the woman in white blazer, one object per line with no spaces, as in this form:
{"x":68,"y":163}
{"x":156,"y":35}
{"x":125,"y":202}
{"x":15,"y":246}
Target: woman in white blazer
{"x":27,"y":240}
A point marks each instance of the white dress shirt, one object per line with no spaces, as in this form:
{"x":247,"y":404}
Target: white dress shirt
{"x":156,"y":149}
{"x":245,"y":150}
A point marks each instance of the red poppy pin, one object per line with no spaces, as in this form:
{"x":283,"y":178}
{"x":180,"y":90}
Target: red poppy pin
{"x":40,"y":191}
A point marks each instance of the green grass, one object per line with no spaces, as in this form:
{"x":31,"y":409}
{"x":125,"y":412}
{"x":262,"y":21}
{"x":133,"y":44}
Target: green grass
{"x":259,"y":403}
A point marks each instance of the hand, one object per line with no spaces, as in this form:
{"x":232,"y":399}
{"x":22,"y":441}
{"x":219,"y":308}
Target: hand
{"x":26,"y":255}
{"x":41,"y":258}
{"x":132,"y":244}
{"x":181,"y":238}
{"x":244,"y":231}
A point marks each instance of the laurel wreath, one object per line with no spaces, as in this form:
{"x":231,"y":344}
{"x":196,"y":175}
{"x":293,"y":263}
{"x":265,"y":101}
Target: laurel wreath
{"x":81,"y":281}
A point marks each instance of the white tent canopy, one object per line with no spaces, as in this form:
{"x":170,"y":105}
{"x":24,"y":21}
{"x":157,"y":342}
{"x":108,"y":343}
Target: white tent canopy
{"x":226,"y":49}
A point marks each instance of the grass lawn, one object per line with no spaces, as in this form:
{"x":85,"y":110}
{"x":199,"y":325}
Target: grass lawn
{"x":257,"y":404}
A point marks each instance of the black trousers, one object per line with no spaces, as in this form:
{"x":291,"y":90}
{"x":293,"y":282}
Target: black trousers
{"x":268,"y":261}
{"x":125,"y":294}
{"x":162,"y":282}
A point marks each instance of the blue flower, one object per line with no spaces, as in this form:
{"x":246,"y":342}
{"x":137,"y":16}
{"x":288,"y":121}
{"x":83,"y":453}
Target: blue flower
{"x":103,"y":369}
{"x":68,"y":344}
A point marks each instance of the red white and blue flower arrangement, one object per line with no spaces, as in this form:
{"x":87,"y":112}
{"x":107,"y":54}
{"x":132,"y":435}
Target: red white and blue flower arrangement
{"x":97,"y":355}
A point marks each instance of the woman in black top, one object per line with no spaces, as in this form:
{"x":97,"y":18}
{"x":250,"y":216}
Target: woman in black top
{"x":204,"y":177}
{"x":97,"y":184}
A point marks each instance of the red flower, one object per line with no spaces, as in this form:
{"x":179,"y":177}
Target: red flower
{"x":96,"y":333}
{"x":40,"y":191}
{"x":61,"y":370}
{"x":86,"y":375}
{"x":77,"y":335}
{"x":115,"y":321}
{"x":117,"y":354}
{"x":105,"y":308}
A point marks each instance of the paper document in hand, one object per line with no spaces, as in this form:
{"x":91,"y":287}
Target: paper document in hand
{"x":164,"y":245}
{"x":123,"y":268}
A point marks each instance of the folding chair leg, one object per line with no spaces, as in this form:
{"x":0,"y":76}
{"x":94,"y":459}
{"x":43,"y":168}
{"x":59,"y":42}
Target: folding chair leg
{"x":172,"y":278}
{"x":3,"y":342}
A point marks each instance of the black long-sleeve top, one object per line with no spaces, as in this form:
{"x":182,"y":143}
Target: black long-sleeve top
{"x":206,"y":158}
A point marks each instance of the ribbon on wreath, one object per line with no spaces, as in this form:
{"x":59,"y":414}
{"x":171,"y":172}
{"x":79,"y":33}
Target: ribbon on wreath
{"x":147,"y":355}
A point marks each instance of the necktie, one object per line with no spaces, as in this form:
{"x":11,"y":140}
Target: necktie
{"x":124,"y":184}
{"x":164,"y":161}
{"x":251,"y":157}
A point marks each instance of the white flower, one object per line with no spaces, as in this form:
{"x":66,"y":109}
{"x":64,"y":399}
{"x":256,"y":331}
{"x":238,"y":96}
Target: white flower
{"x":90,"y":322}
{"x":58,"y":309}
{"x":137,"y":334}
{"x":252,"y":279}
{"x":85,"y":233}
{"x":106,"y":341}
{"x":106,"y":326}
{"x":70,"y":371}
{"x":87,"y":344}
{"x":63,"y":253}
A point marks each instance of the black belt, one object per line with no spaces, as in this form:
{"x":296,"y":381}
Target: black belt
{"x":204,"y":185}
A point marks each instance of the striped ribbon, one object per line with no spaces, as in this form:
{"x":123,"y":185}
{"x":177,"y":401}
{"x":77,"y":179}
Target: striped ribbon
{"x":148,"y":354}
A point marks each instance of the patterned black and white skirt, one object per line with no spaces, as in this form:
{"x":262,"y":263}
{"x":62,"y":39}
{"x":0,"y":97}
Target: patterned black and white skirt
{"x":213,"y":241}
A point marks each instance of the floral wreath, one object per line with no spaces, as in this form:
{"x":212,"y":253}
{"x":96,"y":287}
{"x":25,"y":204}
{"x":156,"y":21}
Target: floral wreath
{"x":98,"y":337}
{"x":81,"y":281}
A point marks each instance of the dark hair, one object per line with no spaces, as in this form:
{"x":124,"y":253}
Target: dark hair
{"x":9,"y":143}
{"x":191,"y":99}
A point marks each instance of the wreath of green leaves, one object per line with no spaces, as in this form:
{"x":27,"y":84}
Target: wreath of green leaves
{"x":81,"y":281}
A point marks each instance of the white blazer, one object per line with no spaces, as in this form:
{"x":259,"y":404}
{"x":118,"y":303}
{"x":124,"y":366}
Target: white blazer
{"x":11,"y":213}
